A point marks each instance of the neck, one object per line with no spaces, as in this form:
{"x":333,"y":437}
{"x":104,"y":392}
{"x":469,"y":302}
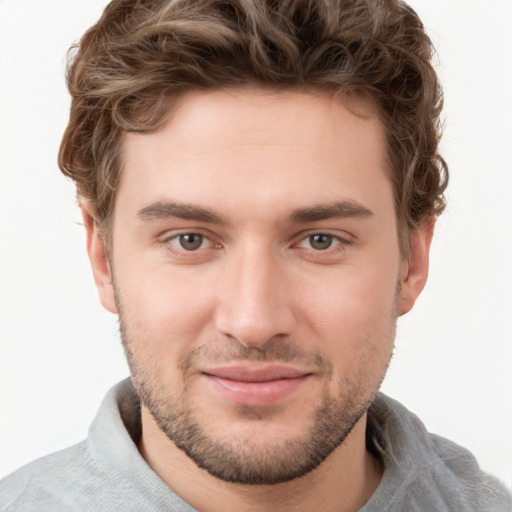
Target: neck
{"x":343,"y":482}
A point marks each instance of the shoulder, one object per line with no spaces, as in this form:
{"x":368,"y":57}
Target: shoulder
{"x":424,"y":471}
{"x":103,"y":473}
{"x":68,"y":480}
{"x":481,"y":489}
{"x":38,"y":483}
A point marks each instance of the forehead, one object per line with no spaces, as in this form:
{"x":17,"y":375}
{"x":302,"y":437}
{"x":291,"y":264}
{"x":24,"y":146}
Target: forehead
{"x":275,"y":148}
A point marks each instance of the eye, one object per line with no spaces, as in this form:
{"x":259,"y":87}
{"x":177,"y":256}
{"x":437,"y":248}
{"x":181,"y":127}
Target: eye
{"x":319,"y":241}
{"x":189,"y":242}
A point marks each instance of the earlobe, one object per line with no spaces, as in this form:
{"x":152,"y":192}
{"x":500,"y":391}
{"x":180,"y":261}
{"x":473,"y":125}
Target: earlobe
{"x":99,"y":261}
{"x":415,"y":270}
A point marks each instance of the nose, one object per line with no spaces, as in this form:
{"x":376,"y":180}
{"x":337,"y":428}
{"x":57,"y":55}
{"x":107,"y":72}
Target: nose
{"x":255,"y":303}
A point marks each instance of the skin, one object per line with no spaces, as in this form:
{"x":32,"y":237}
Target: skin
{"x":259,"y":172}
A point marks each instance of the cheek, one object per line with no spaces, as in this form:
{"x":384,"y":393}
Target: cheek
{"x":167,"y":313}
{"x":355,"y":317}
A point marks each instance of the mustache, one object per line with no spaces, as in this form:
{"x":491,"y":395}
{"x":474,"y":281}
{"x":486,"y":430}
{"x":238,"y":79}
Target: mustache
{"x":273,"y":351}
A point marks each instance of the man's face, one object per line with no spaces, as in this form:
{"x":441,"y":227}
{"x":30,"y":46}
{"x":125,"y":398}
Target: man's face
{"x":258,"y":277}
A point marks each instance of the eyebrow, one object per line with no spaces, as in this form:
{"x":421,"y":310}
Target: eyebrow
{"x":187,"y":211}
{"x":339,"y":209}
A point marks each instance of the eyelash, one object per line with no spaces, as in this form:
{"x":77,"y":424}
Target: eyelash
{"x":168,"y":242}
{"x":337,"y":243}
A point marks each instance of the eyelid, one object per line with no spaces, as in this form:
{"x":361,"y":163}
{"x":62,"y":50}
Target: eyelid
{"x":342,"y":238}
{"x":177,"y":241}
{"x":169,"y":236}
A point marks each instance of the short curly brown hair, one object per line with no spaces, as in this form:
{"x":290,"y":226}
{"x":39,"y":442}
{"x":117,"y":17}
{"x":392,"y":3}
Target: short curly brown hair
{"x":142,"y":54}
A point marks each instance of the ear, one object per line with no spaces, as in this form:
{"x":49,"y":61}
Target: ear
{"x":99,"y":261}
{"x":414,"y":271}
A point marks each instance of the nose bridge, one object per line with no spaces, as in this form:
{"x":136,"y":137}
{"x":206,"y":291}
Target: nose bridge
{"x":254,"y":304}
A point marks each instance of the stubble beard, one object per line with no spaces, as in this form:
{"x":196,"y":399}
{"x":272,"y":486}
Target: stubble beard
{"x":241,"y":459}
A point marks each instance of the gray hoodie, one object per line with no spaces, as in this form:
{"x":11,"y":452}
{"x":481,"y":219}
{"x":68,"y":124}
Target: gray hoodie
{"x":106,"y":472}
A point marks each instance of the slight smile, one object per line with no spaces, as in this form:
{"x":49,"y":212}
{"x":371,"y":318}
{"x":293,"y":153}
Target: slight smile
{"x":255,"y":386}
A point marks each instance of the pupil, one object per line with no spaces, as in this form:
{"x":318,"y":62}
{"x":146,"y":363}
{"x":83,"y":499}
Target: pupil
{"x":191,"y":242}
{"x":321,"y":242}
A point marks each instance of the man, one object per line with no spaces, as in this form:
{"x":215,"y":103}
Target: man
{"x":259,"y":184}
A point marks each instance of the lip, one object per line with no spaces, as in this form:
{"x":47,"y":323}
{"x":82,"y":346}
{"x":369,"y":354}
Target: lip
{"x":255,"y":386}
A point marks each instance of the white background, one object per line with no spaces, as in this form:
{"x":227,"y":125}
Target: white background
{"x":59,"y":351}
